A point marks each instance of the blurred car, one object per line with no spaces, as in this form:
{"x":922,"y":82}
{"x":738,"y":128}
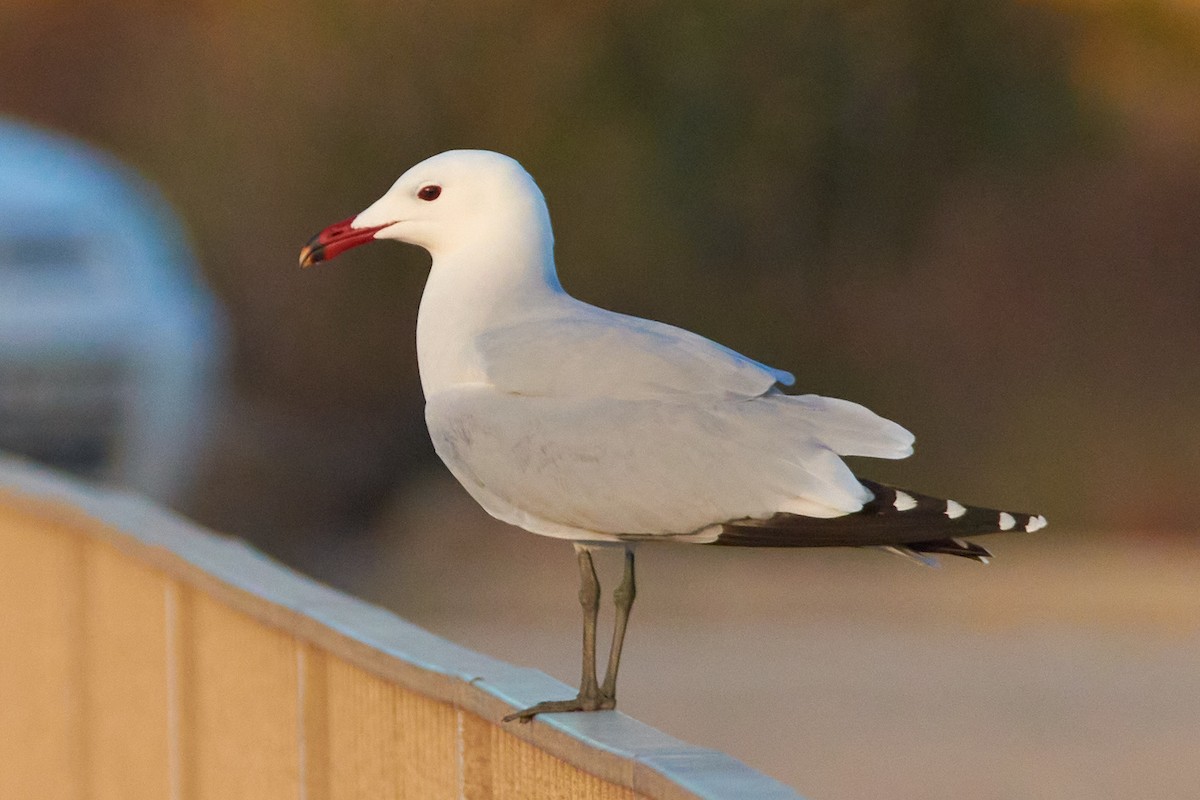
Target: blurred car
{"x":111,"y":350}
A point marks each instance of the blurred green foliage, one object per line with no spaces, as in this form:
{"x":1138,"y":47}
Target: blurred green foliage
{"x":831,"y":124}
{"x":971,"y":216}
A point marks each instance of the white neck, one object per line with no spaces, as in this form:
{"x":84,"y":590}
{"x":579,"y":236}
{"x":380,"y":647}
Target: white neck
{"x":499,"y":276}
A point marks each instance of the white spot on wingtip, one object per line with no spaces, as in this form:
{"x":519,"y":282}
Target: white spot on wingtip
{"x":1007,"y":521}
{"x":1035,"y":524}
{"x":955,"y":510}
{"x":904,"y":501}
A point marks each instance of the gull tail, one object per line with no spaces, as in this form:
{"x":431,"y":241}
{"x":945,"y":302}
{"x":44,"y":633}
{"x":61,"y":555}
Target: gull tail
{"x":904,"y":522}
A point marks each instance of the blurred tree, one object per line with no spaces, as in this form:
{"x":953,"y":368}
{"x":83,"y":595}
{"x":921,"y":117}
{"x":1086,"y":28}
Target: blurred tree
{"x":786,"y":131}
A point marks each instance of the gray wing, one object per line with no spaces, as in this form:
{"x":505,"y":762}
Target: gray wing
{"x":597,"y":421}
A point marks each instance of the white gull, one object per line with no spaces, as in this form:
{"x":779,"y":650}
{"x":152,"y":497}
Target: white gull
{"x":580,"y":423}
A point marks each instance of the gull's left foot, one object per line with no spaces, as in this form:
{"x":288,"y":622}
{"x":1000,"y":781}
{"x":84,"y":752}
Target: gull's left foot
{"x":579,"y":703}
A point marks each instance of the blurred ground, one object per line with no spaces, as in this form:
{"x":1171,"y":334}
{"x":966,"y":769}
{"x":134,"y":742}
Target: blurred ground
{"x":1065,"y":669}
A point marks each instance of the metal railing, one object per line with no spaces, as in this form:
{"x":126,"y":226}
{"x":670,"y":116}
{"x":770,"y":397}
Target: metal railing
{"x":143,"y":657}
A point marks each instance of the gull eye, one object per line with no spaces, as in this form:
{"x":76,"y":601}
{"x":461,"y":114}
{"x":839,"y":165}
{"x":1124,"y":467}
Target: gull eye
{"x":430,"y":192}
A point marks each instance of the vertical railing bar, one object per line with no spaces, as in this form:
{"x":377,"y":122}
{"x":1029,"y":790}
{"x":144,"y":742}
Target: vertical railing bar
{"x":301,"y":727}
{"x":83,"y":754}
{"x":460,"y":753}
{"x":174,"y":716}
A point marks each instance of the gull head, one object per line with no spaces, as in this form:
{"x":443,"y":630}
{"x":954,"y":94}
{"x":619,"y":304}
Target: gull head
{"x":448,"y":201}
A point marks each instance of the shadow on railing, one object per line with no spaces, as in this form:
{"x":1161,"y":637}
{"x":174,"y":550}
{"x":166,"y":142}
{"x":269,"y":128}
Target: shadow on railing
{"x":142,"y":657}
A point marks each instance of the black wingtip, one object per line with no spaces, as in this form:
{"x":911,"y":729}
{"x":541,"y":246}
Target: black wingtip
{"x":893,"y":518}
{"x":943,"y":514}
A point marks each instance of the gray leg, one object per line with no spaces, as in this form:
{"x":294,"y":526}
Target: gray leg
{"x":623,"y":596}
{"x":589,"y":697}
{"x":589,"y":601}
